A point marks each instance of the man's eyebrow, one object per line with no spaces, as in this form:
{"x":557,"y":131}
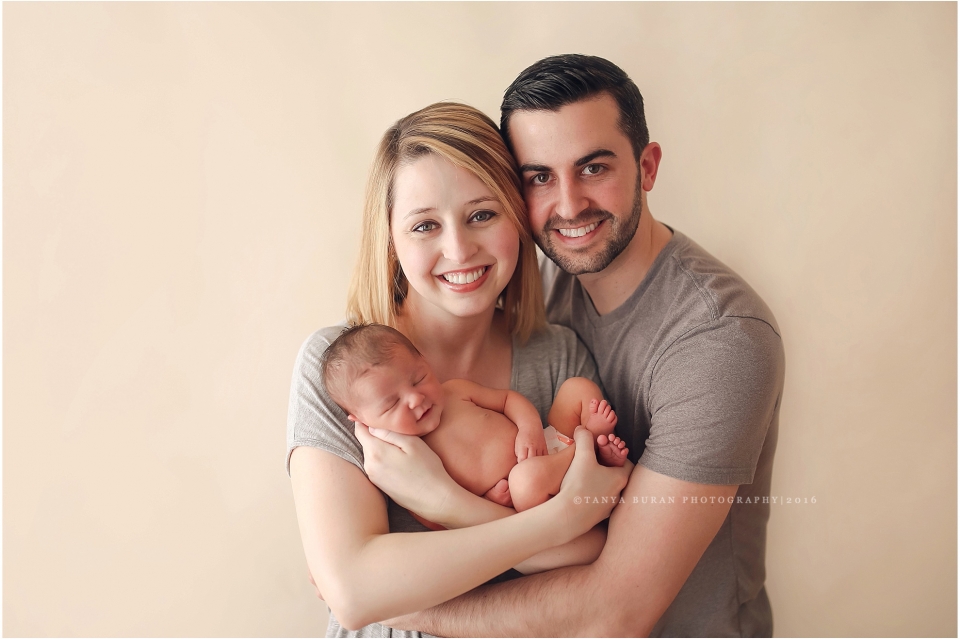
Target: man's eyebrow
{"x":590,"y":157}
{"x":587,"y":159}
{"x":530,"y":168}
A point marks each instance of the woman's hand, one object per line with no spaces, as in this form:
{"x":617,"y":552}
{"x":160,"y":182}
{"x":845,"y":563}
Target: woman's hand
{"x":590,"y":491}
{"x":405,"y":468}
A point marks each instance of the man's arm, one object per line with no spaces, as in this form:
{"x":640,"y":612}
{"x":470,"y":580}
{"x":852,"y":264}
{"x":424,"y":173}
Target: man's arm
{"x":651,"y":550}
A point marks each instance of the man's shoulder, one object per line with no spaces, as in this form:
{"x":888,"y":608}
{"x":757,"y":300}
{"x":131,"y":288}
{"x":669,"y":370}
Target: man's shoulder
{"x":718,"y":292}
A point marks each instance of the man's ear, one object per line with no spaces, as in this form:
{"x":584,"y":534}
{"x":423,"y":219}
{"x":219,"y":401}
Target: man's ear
{"x":648,"y":164}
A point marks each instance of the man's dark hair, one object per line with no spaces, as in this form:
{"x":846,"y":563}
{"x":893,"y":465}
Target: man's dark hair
{"x":560,"y":80}
{"x":357,"y":348}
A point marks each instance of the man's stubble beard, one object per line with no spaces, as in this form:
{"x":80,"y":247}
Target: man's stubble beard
{"x":579,"y":262}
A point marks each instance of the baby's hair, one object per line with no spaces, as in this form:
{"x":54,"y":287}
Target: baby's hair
{"x":358,"y":348}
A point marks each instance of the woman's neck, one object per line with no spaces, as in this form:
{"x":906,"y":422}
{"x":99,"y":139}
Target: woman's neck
{"x":477,"y":348}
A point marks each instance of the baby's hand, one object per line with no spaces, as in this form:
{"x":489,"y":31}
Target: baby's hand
{"x":530,"y":443}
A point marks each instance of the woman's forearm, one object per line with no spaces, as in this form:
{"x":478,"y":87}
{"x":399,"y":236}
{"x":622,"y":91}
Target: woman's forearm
{"x":388,"y":575}
{"x":473,"y":511}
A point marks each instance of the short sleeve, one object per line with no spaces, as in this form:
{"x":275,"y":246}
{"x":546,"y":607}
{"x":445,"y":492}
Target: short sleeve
{"x":713,"y":394}
{"x":313,"y":418}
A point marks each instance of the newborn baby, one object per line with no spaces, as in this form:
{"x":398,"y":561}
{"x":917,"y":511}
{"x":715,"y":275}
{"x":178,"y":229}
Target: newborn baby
{"x":491,"y":441}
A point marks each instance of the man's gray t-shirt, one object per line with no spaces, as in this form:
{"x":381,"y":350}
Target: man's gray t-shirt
{"x":693,"y":364}
{"x":538,"y":368}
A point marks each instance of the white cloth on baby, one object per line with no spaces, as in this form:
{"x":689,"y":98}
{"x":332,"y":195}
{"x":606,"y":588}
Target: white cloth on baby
{"x":556,"y":441}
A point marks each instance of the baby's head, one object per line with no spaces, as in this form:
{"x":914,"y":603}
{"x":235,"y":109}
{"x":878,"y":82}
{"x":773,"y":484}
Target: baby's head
{"x":380,"y":379}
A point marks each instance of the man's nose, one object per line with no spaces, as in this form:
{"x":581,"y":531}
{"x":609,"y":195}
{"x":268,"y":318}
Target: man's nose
{"x":572,"y":198}
{"x":459,"y":246}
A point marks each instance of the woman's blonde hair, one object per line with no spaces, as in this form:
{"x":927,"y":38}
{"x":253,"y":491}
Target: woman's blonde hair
{"x":470,"y":140}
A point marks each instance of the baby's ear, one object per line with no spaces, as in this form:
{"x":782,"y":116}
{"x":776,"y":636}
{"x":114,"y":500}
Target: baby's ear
{"x":353,"y":418}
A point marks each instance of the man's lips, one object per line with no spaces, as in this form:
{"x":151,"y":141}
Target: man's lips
{"x":577,"y":234}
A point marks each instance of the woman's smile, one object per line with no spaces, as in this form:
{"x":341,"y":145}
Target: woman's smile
{"x":465,"y":280}
{"x":456,"y":247}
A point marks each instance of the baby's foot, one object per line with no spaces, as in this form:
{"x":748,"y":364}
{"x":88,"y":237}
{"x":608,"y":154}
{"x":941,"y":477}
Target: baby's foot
{"x":602,"y":419}
{"x":500,"y":494}
{"x":611,"y":450}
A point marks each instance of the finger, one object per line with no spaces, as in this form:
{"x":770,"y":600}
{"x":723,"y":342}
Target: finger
{"x":396,"y":439}
{"x":584,"y":442}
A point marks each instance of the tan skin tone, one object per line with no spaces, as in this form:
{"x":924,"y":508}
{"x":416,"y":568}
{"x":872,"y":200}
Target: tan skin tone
{"x":482,"y":435}
{"x":360,"y":567}
{"x":651,"y":549}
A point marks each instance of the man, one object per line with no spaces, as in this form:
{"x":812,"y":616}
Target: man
{"x":690,"y":357}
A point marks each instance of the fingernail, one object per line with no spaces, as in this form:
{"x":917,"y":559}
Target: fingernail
{"x":373,"y":431}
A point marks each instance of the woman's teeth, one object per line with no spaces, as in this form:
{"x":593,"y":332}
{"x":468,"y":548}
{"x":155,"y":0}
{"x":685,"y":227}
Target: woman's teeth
{"x":580,"y":232}
{"x":464,"y":277}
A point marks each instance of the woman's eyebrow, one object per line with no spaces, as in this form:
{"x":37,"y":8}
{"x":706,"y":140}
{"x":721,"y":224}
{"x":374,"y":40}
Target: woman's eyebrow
{"x":483,"y":198}
{"x":418,"y":211}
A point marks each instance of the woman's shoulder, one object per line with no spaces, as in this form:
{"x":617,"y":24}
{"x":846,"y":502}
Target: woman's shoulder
{"x":319,"y":341}
{"x":313,"y":418}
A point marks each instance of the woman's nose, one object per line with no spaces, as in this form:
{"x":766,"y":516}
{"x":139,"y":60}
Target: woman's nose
{"x":459,"y":246}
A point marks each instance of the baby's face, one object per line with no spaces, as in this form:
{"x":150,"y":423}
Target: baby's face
{"x":402,"y":395}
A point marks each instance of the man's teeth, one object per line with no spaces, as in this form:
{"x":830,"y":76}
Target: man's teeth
{"x":464,"y":277}
{"x":580,"y":232}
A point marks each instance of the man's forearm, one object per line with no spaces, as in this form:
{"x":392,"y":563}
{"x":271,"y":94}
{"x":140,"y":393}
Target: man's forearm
{"x":502,"y":609}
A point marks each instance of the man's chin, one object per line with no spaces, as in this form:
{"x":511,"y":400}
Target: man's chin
{"x":577,"y":264}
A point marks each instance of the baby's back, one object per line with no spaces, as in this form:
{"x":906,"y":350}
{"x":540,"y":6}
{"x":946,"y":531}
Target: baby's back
{"x":475,"y":444}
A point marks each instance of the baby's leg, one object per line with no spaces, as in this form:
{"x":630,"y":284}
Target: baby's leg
{"x":580,"y":402}
{"x":537,"y":479}
{"x":500,"y":494}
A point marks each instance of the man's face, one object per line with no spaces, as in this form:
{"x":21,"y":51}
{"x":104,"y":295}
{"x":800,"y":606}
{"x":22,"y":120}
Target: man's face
{"x":580,"y":181}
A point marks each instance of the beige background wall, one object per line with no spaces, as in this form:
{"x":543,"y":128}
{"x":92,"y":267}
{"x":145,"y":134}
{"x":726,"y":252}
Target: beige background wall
{"x":182,"y":184}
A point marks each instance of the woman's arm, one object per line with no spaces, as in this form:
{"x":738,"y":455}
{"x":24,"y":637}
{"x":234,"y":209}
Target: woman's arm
{"x":366,"y":574}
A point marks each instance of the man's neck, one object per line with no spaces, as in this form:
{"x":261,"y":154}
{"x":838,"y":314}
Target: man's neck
{"x":611,"y":287}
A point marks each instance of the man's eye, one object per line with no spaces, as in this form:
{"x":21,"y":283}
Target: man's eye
{"x":482,"y":216}
{"x":592,"y":169}
{"x":424,"y":227}
{"x":540,"y":178}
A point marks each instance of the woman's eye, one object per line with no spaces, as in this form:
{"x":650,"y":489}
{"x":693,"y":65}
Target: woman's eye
{"x":483,"y":216}
{"x":424,"y":227}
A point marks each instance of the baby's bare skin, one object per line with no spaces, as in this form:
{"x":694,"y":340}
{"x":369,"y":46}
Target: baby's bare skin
{"x":475,"y":444}
{"x":479,"y":446}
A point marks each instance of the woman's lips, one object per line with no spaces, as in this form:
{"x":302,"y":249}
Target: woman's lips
{"x":465,"y":276}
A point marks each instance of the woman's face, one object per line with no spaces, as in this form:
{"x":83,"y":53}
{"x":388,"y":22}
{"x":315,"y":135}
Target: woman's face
{"x":455,"y":244}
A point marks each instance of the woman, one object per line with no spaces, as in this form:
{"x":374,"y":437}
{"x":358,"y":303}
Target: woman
{"x":447,"y":259}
